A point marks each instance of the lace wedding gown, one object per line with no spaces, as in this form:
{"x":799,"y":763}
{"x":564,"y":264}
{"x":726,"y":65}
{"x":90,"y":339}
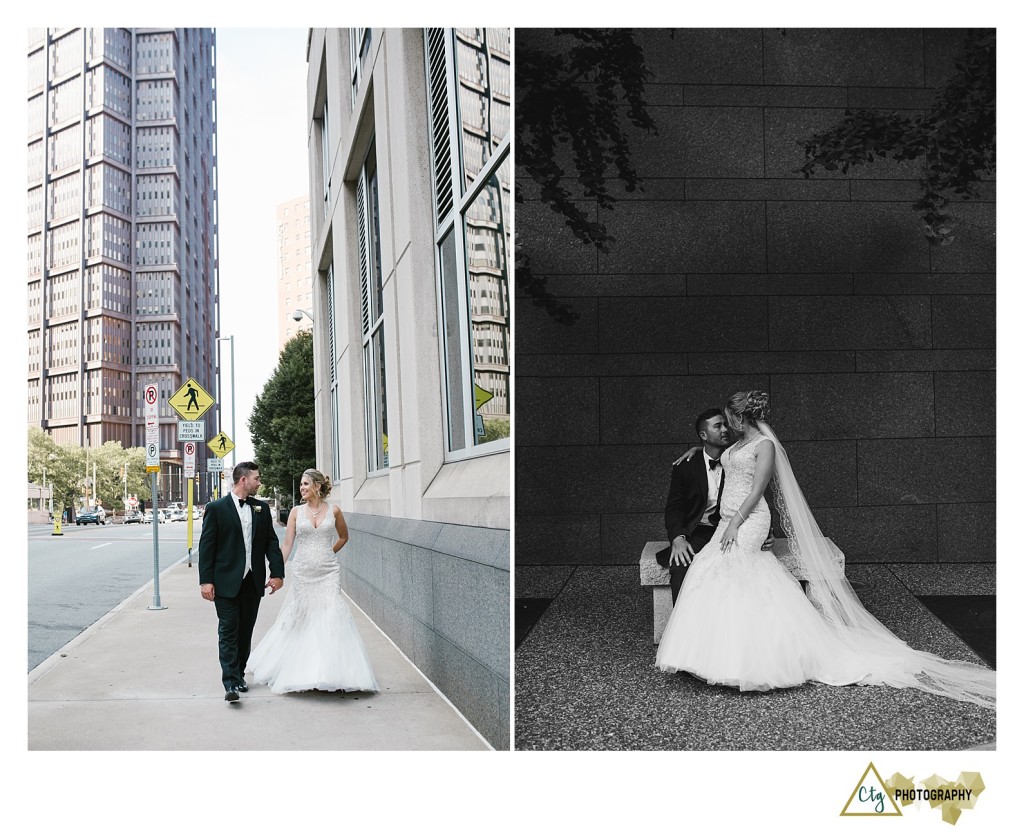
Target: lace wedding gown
{"x":313,"y":643}
{"x":741,"y":619}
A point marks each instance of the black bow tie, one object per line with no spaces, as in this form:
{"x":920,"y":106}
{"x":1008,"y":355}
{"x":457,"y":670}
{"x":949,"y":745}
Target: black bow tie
{"x":242,"y":502}
{"x":713,"y":462}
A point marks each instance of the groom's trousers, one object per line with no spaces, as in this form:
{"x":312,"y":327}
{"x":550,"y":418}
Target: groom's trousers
{"x":237,"y":618}
{"x":700,"y":536}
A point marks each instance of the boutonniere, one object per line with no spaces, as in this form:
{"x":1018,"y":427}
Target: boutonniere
{"x":258,"y":508}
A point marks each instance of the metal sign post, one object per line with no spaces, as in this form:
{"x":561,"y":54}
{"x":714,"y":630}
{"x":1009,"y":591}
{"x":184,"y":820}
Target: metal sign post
{"x":152,"y":398}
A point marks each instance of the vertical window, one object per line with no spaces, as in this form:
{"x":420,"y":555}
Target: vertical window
{"x":372,"y":315}
{"x":332,"y":356}
{"x":325,"y":158}
{"x":358,"y":49}
{"x":469,"y":96}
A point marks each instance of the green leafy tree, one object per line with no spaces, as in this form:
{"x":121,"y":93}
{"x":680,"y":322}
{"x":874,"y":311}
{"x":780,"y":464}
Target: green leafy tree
{"x":282,"y":425}
{"x":956,"y":138}
{"x":582,"y":93}
{"x":67,"y":468}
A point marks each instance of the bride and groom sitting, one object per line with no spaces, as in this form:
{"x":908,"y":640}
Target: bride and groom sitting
{"x":692,"y":509}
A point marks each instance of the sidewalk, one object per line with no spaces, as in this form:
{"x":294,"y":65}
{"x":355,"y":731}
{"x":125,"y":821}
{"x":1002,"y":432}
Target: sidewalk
{"x":142,"y":679}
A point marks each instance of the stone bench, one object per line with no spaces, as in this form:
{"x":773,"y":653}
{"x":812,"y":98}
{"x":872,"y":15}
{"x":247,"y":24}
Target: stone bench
{"x":655,"y":577}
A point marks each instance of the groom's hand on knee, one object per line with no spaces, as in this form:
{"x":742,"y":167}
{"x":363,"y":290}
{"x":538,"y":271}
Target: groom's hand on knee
{"x":207,"y":591}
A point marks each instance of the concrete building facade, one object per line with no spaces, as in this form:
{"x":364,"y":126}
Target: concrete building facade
{"x":731,"y":271}
{"x":122,"y":231}
{"x":294,"y":276}
{"x":410,"y":214}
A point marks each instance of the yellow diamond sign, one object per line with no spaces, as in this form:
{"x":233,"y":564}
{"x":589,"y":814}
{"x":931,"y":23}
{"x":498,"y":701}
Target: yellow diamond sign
{"x":221,"y":444}
{"x":480,"y":396}
{"x":191,"y":400}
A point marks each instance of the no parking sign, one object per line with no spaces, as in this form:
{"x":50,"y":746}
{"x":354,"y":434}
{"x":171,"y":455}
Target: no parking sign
{"x":190,"y":459}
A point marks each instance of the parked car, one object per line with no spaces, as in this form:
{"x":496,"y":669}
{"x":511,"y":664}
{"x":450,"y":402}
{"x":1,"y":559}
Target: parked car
{"x":176,"y":515}
{"x":147,"y":517}
{"x":92,"y":515}
{"x":132,"y":517}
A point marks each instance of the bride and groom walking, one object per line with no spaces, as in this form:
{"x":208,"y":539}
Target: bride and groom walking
{"x":314,"y":643}
{"x":740,"y":618}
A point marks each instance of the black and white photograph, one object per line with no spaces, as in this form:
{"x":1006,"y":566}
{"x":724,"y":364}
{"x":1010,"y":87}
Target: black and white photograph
{"x":755,"y":389}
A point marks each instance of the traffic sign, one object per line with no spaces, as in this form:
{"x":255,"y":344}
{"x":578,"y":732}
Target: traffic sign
{"x":133,"y":501}
{"x":221,"y":444}
{"x":192,"y":431}
{"x":151,"y":396}
{"x":214,"y":465}
{"x":152,"y":457}
{"x":191,"y":400}
{"x":189,"y":452}
{"x":480,"y":396}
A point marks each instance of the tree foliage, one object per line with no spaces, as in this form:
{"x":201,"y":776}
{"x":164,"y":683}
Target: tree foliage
{"x":956,"y":138}
{"x":582,"y":95}
{"x":68,"y":467}
{"x":282,"y":425}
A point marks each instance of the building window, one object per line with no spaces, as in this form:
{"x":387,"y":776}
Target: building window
{"x":325,"y":157}
{"x":469,"y":96}
{"x":332,"y":356}
{"x":358,"y":49}
{"x":371,"y":290}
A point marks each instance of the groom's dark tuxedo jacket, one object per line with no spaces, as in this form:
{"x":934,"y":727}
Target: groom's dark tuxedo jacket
{"x":222,"y":548}
{"x":687,"y":497}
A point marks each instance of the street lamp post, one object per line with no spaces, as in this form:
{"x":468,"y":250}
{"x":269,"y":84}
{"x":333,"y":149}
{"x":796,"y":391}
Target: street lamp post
{"x":234,"y":435}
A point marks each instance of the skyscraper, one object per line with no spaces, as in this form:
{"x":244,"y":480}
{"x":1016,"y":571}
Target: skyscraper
{"x":122,"y":231}
{"x":294,"y":270}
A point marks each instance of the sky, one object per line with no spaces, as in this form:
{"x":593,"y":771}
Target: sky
{"x":261,"y":161}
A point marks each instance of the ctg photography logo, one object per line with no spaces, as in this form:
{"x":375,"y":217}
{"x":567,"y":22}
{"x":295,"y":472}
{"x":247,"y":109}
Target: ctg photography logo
{"x":874,"y":797}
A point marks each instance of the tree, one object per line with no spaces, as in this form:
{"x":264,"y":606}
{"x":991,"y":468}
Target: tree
{"x":282,"y":425}
{"x":67,"y":468}
{"x":575,"y":95}
{"x":956,"y":138}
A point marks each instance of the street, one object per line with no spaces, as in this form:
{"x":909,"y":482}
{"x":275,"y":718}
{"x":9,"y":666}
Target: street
{"x":75,"y":579}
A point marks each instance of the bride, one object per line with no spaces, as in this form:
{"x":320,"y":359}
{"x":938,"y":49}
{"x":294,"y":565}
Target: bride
{"x":313,"y":643}
{"x":742,"y":620}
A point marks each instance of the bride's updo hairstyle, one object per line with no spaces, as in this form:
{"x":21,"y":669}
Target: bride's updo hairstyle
{"x":321,"y":482}
{"x":753,"y":406}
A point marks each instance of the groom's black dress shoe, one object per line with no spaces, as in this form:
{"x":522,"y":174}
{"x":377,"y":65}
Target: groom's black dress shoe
{"x":242,"y":687}
{"x":231,"y":695}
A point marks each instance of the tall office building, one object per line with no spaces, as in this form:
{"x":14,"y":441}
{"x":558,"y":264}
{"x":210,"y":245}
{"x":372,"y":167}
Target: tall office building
{"x":122,"y":231}
{"x":410,"y":146}
{"x":294,"y":274}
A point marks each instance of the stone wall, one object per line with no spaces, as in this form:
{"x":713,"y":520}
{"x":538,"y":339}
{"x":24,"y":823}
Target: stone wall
{"x":731,"y":271}
{"x":441,"y":593}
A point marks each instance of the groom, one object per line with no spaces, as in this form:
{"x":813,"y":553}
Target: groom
{"x":238,"y":540}
{"x":691,"y":512}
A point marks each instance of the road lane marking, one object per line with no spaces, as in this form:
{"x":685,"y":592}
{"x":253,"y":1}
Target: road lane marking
{"x":101,"y":546}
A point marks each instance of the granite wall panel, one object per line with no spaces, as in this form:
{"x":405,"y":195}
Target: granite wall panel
{"x":878,"y":405}
{"x":844,"y":57}
{"x":809,"y":323}
{"x":836,"y":237}
{"x":680,"y":237}
{"x":565,"y":410}
{"x":695,"y":56}
{"x":645,"y":324}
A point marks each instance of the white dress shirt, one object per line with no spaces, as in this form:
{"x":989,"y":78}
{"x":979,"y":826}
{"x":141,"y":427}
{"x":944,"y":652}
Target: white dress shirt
{"x":714,"y":482}
{"x":245,"y":516}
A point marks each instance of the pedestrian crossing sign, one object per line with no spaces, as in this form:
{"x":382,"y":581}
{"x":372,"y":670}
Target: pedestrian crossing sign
{"x":221,"y":444}
{"x":191,"y":400}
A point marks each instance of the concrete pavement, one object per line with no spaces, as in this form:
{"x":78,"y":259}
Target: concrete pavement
{"x":145,"y":679}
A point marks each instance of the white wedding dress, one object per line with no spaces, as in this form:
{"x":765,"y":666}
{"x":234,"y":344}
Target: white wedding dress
{"x":741,"y":619}
{"x":313,"y":643}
